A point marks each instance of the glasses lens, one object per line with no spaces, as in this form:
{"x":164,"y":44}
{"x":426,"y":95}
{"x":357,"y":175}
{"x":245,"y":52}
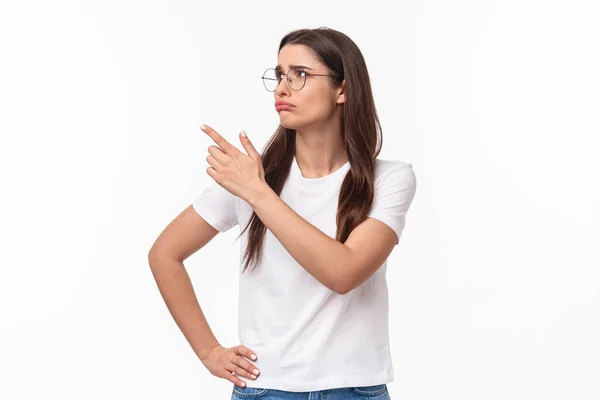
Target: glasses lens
{"x":270,"y":80}
{"x":296,"y":78}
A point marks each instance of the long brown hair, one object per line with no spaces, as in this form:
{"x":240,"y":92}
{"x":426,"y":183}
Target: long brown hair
{"x":361,"y":132}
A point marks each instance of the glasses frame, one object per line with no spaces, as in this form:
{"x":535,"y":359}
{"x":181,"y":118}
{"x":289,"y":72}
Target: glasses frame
{"x":287,"y":79}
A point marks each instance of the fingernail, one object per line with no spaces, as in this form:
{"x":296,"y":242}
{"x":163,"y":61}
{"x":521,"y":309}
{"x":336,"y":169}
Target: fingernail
{"x":253,"y":356}
{"x":203,"y":127}
{"x":256,"y":372}
{"x":243,"y":133}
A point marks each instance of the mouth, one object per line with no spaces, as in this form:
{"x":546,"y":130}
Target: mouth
{"x":283,"y":107}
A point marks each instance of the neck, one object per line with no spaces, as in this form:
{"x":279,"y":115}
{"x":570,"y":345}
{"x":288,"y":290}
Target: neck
{"x":320,"y":150}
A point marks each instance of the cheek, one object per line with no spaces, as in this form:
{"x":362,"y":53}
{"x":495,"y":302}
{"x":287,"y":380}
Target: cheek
{"x":314,"y":104}
{"x":323,"y":101}
{"x":317,"y":109}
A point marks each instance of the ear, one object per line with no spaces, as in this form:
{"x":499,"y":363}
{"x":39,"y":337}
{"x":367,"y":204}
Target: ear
{"x":342,"y":95}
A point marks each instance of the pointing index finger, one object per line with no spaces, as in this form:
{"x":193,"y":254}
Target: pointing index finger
{"x":218,"y":139}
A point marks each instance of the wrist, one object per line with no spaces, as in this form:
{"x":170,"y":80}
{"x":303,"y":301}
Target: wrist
{"x":257,"y":193}
{"x":204,"y":353}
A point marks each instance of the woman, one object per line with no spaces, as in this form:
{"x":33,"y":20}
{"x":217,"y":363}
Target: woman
{"x":321,"y":214}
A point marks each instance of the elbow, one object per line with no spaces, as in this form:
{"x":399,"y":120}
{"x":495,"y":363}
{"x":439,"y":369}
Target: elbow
{"x":341,"y":291}
{"x":154,"y":257}
{"x":151,"y":258}
{"x":157,"y":254}
{"x":343,"y":280}
{"x":152,"y":254}
{"x":342,"y":286}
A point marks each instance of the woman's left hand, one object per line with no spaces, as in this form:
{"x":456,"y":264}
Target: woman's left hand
{"x":240,"y":174}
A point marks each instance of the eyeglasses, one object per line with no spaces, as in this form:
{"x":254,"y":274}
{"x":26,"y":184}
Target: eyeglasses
{"x":295,"y":78}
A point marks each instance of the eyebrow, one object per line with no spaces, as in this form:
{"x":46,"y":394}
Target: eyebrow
{"x":278,"y":68}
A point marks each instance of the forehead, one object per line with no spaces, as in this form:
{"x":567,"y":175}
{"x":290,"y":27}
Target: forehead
{"x":295,"y":55}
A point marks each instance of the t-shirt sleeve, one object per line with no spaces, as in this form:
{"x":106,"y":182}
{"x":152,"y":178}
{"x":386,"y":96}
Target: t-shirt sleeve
{"x":217,"y":206}
{"x":394,"y":192}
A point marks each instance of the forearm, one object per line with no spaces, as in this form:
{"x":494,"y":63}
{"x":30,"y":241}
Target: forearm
{"x":178,"y":293}
{"x":319,"y":254}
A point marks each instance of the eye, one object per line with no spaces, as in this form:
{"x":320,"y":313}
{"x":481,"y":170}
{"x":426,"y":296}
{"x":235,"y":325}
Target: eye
{"x":299,"y":72}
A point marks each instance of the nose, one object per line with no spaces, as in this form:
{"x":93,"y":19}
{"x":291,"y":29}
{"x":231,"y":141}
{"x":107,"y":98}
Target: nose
{"x":282,"y":87}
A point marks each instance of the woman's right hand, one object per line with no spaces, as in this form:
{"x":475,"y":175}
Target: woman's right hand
{"x":223,"y":362}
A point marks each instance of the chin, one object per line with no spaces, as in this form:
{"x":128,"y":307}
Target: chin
{"x":287,"y":124}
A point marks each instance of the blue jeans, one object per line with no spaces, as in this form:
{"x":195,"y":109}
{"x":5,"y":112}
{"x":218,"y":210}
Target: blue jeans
{"x":375,"y":392}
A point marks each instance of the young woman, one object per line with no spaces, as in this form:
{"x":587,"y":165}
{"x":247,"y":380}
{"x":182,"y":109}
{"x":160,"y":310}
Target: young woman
{"x":321,"y":214}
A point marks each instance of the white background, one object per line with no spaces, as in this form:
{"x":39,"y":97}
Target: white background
{"x":495,"y":286}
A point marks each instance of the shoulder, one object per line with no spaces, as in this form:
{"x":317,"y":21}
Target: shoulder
{"x":398,"y":171}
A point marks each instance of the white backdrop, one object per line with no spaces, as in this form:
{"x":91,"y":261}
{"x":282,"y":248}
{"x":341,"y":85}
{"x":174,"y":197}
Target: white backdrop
{"x":495,"y":286}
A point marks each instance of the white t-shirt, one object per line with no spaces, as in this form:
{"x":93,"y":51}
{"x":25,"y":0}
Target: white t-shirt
{"x":306,"y":336}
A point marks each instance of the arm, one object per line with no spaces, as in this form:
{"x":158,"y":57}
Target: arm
{"x":178,"y":294}
{"x":336,"y":265}
{"x":185,"y":235}
{"x":339,"y":266}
